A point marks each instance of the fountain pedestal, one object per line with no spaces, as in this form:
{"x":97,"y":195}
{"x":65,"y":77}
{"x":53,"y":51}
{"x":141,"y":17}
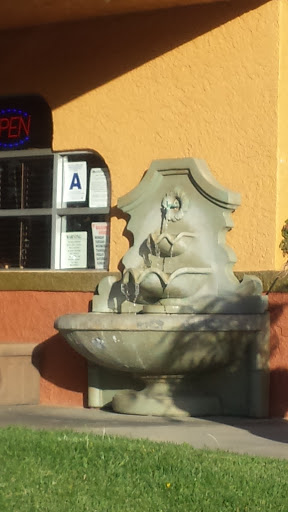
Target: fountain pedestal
{"x":167,"y":395}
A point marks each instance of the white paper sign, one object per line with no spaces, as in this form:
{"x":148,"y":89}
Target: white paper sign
{"x":98,"y":188}
{"x":100,"y":237}
{"x":74,"y":182}
{"x":74,"y":249}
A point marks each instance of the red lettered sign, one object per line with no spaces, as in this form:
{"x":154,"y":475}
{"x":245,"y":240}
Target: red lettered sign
{"x":15,"y":126}
{"x":25,"y":123}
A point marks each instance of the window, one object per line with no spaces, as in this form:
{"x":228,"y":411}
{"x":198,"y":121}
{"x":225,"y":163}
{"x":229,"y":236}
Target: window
{"x":54,"y":210}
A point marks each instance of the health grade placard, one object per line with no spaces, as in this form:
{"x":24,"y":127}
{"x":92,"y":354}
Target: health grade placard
{"x":74,"y":182}
{"x":100,"y":235}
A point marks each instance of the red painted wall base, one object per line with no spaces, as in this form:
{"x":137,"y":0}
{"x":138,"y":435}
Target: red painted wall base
{"x":28,"y":317}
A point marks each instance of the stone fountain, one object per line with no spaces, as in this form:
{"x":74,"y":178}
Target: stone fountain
{"x":178,"y":321}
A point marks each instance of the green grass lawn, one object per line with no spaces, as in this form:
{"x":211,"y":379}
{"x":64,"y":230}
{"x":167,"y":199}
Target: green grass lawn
{"x":68,"y":472}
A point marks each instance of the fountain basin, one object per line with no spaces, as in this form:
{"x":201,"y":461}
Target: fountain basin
{"x":167,"y":350}
{"x":163,"y":344}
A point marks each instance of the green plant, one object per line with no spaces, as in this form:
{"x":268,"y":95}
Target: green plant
{"x":284,"y":248}
{"x":284,"y":242}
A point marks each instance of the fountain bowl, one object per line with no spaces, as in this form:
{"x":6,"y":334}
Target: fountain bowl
{"x":163,"y":350}
{"x":157,"y":344}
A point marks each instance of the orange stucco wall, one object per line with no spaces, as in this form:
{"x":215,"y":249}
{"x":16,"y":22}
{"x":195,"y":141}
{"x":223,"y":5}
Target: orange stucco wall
{"x":28,"y":317}
{"x":282,"y":157}
{"x":196,"y":81}
{"x":204,"y":81}
{"x":201,"y":82}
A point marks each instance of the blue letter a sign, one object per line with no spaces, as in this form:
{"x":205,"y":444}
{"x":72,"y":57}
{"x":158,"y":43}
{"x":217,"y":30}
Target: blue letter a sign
{"x":75,"y":182}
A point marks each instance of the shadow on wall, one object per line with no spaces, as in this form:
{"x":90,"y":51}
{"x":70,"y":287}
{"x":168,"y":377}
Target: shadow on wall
{"x":118,"y":214}
{"x":63,"y":62}
{"x":278,"y":307}
{"x":279,"y":392}
{"x":62,"y":367}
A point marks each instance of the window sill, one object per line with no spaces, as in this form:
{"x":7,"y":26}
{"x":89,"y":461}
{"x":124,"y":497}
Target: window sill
{"x":51,"y":280}
{"x":87,"y":280}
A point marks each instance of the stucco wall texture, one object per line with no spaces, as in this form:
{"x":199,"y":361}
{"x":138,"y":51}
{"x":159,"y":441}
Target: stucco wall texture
{"x":213,"y":96}
{"x":199,"y":81}
{"x":282,"y":157}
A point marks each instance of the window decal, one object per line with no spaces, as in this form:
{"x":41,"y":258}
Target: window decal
{"x":98,"y":188}
{"x":74,"y":249}
{"x":100,"y":234}
{"x":75,"y":182}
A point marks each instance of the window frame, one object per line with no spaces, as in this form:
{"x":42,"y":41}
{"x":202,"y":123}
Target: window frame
{"x":57,"y":212}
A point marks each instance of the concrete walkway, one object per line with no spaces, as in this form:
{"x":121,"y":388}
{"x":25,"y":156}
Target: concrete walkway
{"x":242,"y":435}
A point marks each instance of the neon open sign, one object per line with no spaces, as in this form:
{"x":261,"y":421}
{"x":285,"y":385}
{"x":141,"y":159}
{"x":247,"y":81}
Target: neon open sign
{"x":15,"y":128}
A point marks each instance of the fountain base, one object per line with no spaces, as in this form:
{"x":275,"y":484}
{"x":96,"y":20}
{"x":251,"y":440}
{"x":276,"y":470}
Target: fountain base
{"x":168,"y":395}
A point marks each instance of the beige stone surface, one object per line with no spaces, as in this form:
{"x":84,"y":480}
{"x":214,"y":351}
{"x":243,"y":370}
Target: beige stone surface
{"x":267,"y":438}
{"x":19,"y":379}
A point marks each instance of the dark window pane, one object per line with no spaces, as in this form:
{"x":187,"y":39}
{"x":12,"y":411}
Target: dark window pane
{"x":25,"y":242}
{"x":35,"y":242}
{"x":10,"y":242}
{"x":26,"y":183}
{"x":76,"y":223}
{"x":37,"y":183}
{"x":10,"y":184}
